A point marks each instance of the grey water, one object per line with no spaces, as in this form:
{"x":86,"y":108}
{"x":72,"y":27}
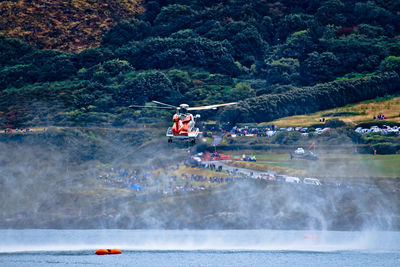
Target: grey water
{"x":199,"y":248}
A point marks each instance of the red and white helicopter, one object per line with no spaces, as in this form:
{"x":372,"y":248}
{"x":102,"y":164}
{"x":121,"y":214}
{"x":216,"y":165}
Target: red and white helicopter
{"x":184,"y":123}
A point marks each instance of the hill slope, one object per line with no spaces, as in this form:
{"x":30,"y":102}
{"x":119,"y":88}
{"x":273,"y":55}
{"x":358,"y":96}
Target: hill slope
{"x":63,"y":25}
{"x":356,"y":113}
{"x":282,"y":58}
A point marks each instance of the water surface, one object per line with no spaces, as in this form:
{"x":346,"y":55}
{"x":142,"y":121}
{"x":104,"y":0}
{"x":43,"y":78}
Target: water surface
{"x":199,"y":248}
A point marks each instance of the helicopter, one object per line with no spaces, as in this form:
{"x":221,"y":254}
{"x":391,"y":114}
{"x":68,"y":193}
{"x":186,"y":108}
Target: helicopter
{"x":184,"y":122}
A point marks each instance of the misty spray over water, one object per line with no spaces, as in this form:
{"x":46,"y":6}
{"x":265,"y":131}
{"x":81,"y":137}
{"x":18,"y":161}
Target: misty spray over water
{"x":54,"y":183}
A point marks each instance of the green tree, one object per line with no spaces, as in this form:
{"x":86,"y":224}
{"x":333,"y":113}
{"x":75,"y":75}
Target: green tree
{"x":145,"y":87}
{"x":331,"y":12}
{"x":126,"y":31}
{"x":319,"y":67}
{"x":180,"y":80}
{"x":91,"y":57}
{"x":242,"y":91}
{"x":174,"y":17}
{"x":58,"y":67}
{"x":292,"y":23}
{"x":266,"y":29}
{"x":298,"y":45}
{"x":311,"y":99}
{"x":390,"y":63}
{"x":15,"y":76}
{"x":369,"y":12}
{"x":283,"y":71}
{"x":11,"y":50}
{"x":117,"y":66}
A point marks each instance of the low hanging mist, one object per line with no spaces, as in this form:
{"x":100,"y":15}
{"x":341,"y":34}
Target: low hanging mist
{"x":56,"y":180}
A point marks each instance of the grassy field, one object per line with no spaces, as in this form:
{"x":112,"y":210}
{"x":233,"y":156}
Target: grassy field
{"x":353,"y":114}
{"x":336,"y":165}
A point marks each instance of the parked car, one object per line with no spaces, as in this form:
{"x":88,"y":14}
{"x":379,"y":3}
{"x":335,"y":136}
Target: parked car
{"x":249,"y":158}
{"x":312,"y":181}
{"x":292,"y":179}
{"x":280,"y":178}
{"x":270,"y":133}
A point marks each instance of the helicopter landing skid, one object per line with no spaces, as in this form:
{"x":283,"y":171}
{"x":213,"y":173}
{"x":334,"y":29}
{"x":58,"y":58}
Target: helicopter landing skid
{"x":191,"y":136}
{"x":191,"y":141}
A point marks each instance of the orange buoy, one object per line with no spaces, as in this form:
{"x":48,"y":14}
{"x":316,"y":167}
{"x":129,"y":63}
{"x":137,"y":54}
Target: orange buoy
{"x":115,"y":251}
{"x":102,"y":251}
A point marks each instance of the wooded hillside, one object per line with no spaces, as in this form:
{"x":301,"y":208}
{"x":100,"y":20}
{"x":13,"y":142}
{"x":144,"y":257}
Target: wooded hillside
{"x":279,"y":57}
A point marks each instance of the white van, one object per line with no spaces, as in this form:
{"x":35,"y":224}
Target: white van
{"x":312,"y":181}
{"x":292,"y":179}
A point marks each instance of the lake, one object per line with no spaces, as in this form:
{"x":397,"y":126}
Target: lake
{"x":199,"y":248}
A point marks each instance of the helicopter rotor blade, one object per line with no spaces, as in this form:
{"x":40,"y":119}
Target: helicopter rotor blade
{"x":212,"y":106}
{"x":161,"y":103}
{"x":137,"y":106}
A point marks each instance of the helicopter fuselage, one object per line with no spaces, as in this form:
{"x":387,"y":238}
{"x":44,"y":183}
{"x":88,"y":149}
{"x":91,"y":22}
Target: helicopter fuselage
{"x":183,"y":127}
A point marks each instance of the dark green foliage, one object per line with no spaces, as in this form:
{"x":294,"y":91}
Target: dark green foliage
{"x":11,"y":50}
{"x":116,"y":66}
{"x":162,"y":53}
{"x":51,"y":66}
{"x":15,"y":75}
{"x":41,"y":65}
{"x":298,"y":45}
{"x":370,"y":12}
{"x":310,"y":99}
{"x":283,"y":71}
{"x":245,"y":38}
{"x":391,"y":63}
{"x":334,"y":123}
{"x":90,"y":57}
{"x":242,"y":91}
{"x":371,"y":31}
{"x":145,"y":87}
{"x":320,"y":67}
{"x":175,"y":14}
{"x":127,"y":31}
{"x":385,"y":148}
{"x":292,"y":23}
{"x":331,"y":12}
{"x":204,"y":52}
{"x":357,"y":53}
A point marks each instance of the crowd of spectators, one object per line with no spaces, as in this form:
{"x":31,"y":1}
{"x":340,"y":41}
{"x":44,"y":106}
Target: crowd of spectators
{"x":380,"y":117}
{"x":157,"y":182}
{"x":125,"y":178}
{"x":211,"y":179}
{"x":17,"y":130}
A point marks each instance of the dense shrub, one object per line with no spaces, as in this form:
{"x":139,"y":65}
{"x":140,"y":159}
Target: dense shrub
{"x":204,"y":52}
{"x":310,"y":99}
